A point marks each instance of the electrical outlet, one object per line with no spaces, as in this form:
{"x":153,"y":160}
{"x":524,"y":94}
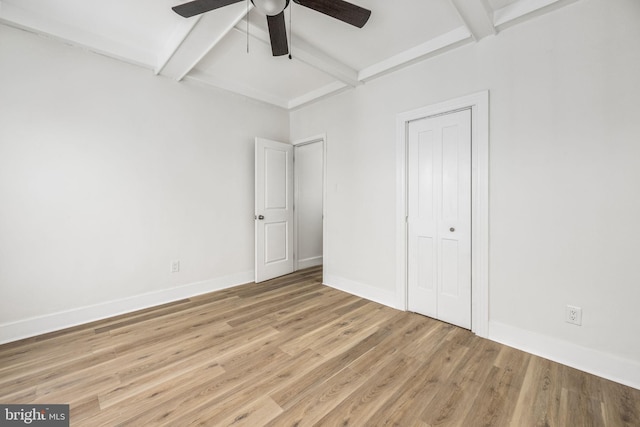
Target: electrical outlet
{"x":175,"y":266}
{"x":573,"y":315}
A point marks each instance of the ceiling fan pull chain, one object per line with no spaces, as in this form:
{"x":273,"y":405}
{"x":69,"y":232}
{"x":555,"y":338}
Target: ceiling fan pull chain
{"x":290,"y":30}
{"x":247,"y":15}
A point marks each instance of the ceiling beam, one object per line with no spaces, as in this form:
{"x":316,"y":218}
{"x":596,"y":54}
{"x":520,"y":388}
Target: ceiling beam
{"x":317,"y":94}
{"x":525,"y":9}
{"x":477,"y":16}
{"x":184,"y":54}
{"x":236,"y":87}
{"x":305,"y":52}
{"x":435,"y":46}
{"x":180,"y":34}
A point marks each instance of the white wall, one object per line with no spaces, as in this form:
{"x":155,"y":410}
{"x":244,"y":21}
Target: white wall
{"x":564,"y":174}
{"x":108,"y":173}
{"x":308,"y":173}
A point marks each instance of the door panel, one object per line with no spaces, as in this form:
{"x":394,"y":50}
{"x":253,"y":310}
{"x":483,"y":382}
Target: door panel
{"x":275,"y":249}
{"x":450,"y":279}
{"x":426,"y":272}
{"x":450,"y":159}
{"x":439,"y":217}
{"x":275,"y":178}
{"x":273,"y":209}
{"x":423,"y":185}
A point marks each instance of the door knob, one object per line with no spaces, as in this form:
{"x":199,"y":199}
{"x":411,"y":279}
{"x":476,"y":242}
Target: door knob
{"x":260,"y":216}
{"x":452,"y":229}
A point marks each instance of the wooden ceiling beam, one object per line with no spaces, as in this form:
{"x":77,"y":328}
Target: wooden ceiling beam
{"x":435,"y":46}
{"x":307,"y":53}
{"x":185,"y":52}
{"x":477,"y":16}
{"x":522,"y":10}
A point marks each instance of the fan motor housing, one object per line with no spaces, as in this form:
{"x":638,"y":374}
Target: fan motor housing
{"x":270,"y":7}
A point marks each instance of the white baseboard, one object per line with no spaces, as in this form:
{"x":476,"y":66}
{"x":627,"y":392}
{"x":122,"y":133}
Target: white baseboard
{"x":65,"y":319}
{"x":609,"y":366}
{"x":605,"y":365}
{"x":362,"y":290}
{"x":309,"y":262}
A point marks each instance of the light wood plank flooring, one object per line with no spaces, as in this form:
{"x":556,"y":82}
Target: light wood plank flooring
{"x":292,"y":352}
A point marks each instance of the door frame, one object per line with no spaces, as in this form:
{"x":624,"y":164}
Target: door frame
{"x":322,"y":138}
{"x":479,"y":105}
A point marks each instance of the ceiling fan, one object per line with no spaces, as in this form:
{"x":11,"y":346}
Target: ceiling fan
{"x":274,"y":9}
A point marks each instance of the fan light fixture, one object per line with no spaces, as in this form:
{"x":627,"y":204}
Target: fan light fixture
{"x":341,"y":10}
{"x":270,"y":7}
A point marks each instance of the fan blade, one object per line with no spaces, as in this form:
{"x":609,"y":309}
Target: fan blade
{"x":278,"y":34}
{"x":197,"y":7}
{"x":339,"y":9}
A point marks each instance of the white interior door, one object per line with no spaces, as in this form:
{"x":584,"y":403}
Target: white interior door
{"x":273,"y":209}
{"x":439,"y":217}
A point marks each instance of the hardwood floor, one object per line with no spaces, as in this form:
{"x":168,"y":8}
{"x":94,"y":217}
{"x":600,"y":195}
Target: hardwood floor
{"x":292,"y":352}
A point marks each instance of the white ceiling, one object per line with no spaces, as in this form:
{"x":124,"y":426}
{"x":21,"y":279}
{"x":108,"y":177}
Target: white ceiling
{"x":329,"y":56}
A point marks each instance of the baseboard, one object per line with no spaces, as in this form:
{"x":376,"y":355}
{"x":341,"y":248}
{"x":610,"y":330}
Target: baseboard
{"x":65,"y":319}
{"x":309,"y":262}
{"x":362,"y":290}
{"x":605,"y":365}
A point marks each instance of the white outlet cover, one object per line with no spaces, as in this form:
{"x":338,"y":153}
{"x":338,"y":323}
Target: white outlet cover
{"x":573,"y":315}
{"x":175,"y":266}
